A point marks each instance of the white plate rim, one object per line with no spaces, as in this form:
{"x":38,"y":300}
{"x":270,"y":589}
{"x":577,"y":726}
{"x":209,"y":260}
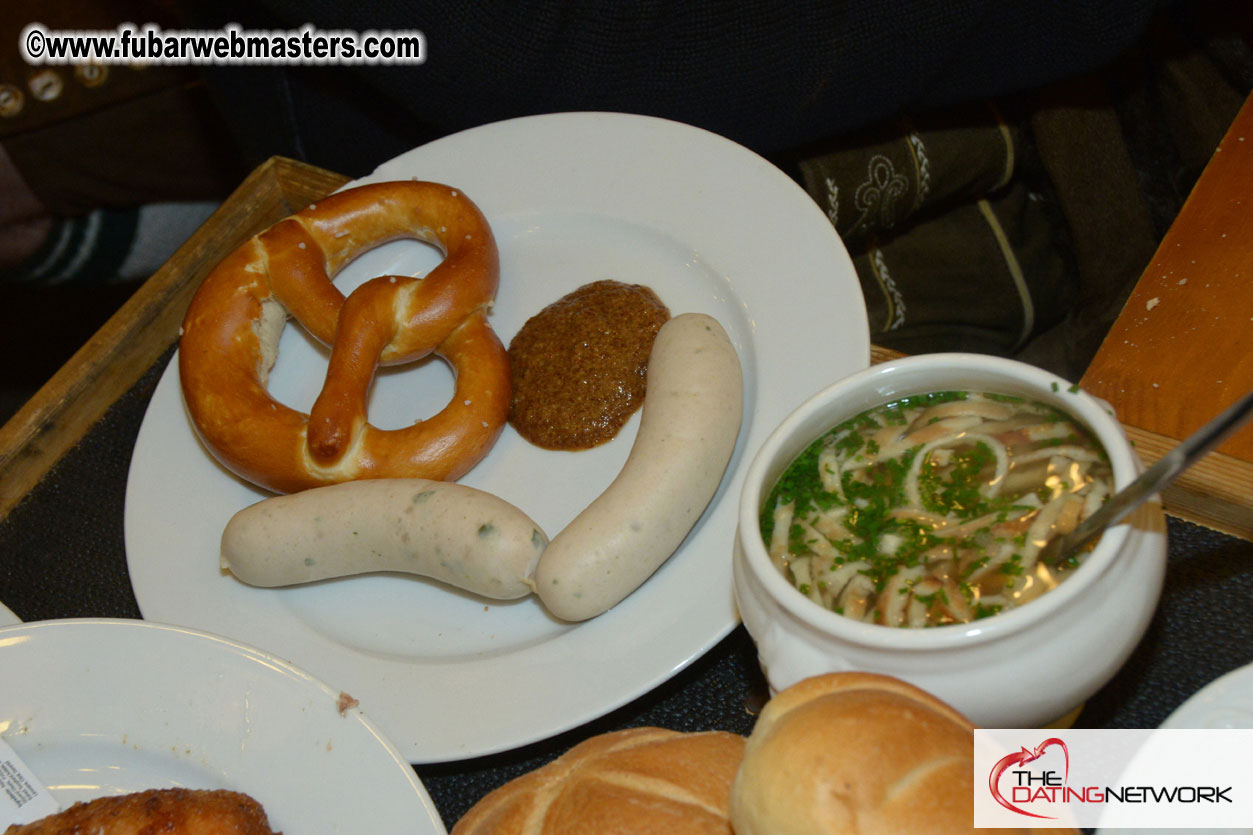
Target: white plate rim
{"x":447,"y":733}
{"x":1214,"y":696}
{"x":267,"y":686}
{"x":1192,"y":714}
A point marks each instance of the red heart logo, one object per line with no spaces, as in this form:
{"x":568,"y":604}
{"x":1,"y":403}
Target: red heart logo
{"x":1023,"y":757}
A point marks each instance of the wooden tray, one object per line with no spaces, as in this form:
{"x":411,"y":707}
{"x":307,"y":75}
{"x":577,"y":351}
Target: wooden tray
{"x":1219,"y":493}
{"x":1182,"y":348}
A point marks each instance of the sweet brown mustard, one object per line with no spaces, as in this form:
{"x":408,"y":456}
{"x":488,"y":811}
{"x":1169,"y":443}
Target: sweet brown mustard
{"x":579,"y":365}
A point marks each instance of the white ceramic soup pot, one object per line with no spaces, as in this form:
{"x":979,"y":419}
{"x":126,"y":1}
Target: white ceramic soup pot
{"x":1023,"y":667}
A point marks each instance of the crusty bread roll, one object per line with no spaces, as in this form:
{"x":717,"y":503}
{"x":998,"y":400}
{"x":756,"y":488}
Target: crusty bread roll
{"x":639,"y":781}
{"x":857,"y":753}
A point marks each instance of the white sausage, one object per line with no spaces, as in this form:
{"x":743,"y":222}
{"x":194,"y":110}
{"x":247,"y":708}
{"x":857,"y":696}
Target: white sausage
{"x":464,"y":537}
{"x":693,"y":403}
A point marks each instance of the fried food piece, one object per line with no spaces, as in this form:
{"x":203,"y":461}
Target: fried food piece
{"x":173,"y":811}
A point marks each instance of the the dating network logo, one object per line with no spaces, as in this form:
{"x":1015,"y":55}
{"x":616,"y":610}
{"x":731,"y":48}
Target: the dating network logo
{"x":1028,"y":786}
{"x":1113,"y":778}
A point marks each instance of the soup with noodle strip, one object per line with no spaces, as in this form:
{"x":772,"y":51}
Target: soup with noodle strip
{"x":933,"y":509}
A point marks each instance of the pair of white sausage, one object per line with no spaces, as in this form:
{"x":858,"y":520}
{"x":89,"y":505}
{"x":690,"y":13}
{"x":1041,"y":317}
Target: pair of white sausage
{"x":693,"y":406}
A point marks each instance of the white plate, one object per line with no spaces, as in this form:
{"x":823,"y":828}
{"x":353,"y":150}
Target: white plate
{"x":101,"y":707}
{"x":572,"y":198}
{"x":1226,"y":702}
{"x":7,"y":618}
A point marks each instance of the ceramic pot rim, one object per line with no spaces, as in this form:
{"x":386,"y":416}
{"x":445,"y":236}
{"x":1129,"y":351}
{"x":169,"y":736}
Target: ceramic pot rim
{"x":914,"y":375}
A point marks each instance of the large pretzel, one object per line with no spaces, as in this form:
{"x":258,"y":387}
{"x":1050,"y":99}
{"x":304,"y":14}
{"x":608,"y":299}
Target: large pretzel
{"x":230,"y":341}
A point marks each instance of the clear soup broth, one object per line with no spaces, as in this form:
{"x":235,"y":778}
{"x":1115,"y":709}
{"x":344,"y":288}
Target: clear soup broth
{"x":932,"y":509}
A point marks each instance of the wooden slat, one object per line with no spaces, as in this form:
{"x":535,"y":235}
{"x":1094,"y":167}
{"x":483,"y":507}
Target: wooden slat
{"x":1215,"y":492}
{"x":1182,"y":348}
{"x":879,"y":354}
{"x":127,"y":345}
{"x":300,"y":184}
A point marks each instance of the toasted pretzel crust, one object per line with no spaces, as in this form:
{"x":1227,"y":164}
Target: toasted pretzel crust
{"x":230,"y":340}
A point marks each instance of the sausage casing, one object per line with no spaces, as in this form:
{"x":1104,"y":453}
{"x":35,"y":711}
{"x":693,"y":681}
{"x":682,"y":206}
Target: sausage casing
{"x":693,"y":405}
{"x":449,"y":532}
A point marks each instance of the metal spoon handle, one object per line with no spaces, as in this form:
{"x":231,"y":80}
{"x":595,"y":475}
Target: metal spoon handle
{"x":1152,"y":480}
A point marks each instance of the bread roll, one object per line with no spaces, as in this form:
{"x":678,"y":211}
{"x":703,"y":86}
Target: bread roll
{"x":639,"y":781}
{"x":857,"y":753}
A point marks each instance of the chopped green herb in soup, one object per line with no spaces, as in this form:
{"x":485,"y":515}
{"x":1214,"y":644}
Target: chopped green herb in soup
{"x":932,"y":509}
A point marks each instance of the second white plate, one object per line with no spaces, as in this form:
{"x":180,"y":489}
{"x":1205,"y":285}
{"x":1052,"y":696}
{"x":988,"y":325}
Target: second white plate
{"x":1226,"y":702}
{"x":572,"y":198}
{"x":107,"y":707}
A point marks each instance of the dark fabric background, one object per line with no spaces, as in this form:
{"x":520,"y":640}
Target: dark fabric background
{"x":770,"y":75}
{"x":1116,"y":106}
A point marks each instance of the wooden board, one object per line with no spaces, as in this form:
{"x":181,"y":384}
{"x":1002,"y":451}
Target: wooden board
{"x":1219,"y":492}
{"x":1182,"y":348}
{"x":127,"y":345}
